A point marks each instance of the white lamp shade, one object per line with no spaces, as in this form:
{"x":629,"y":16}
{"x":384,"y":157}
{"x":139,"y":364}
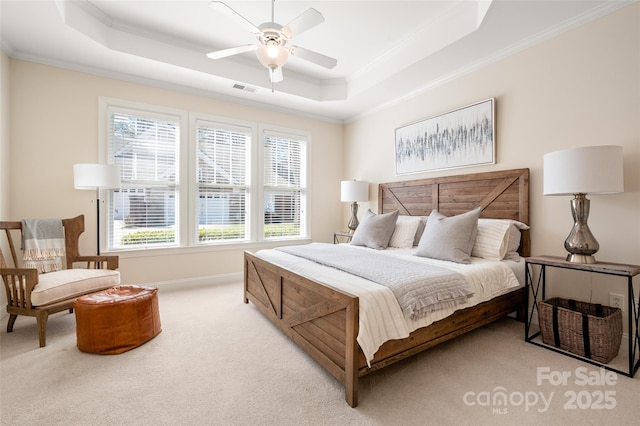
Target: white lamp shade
{"x":96,"y":176}
{"x":585,"y":170}
{"x":353,"y":190}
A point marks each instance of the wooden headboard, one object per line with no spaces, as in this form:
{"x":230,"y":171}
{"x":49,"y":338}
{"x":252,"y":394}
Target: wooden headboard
{"x":502,"y":195}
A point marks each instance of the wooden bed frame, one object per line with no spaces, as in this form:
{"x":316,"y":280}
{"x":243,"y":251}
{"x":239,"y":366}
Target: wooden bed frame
{"x":324,"y":321}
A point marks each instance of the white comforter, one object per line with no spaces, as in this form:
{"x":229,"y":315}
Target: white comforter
{"x":381,"y":318}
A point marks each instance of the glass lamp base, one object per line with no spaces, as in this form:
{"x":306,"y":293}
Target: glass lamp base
{"x":581,"y":244}
{"x":353,"y":222}
{"x":581,"y":258}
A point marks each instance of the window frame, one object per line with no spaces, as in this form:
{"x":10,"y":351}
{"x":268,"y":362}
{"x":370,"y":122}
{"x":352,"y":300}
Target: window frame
{"x":305,"y":136}
{"x":105,"y":105}
{"x":186,"y":209}
{"x":194,"y":118}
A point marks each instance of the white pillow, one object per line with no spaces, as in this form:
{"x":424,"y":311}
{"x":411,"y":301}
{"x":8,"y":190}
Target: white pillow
{"x":405,"y":231}
{"x":491,"y":239}
{"x":513,"y":239}
{"x":496,"y":238}
{"x":420,"y":230}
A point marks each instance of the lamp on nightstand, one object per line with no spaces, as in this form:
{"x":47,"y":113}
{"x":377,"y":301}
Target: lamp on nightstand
{"x":582,"y":171}
{"x":354,"y":191}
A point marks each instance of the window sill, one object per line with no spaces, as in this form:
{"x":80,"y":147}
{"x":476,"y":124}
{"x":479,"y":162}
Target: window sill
{"x":167,"y":251}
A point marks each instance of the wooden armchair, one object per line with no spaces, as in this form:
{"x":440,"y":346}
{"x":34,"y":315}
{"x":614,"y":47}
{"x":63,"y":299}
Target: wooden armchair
{"x":39,"y":295}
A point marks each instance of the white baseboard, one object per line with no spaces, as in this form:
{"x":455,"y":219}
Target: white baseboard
{"x":235,"y":277}
{"x":220,"y":279}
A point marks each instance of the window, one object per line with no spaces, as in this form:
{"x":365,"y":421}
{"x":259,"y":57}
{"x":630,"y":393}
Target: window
{"x":146,"y":147}
{"x":222,"y":179}
{"x":190,"y":179}
{"x":284,"y":180}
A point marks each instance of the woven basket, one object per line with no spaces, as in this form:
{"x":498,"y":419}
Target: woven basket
{"x":585,"y":329}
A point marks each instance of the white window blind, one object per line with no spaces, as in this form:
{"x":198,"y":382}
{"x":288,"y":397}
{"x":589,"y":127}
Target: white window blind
{"x":222,"y":170}
{"x":146,"y":147}
{"x":284,"y":181}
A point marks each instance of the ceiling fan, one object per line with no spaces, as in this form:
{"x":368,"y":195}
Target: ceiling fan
{"x":273,"y":50}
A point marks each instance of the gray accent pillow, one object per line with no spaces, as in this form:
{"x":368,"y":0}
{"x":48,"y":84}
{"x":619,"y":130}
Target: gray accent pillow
{"x":375,"y":230}
{"x":449,"y":238}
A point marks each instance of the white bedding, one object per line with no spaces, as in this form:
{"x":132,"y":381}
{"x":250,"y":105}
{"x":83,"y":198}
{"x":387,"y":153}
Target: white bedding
{"x":381,"y":318}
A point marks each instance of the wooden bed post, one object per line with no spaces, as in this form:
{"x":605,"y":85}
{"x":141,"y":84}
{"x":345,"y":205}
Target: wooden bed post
{"x":351,"y":371}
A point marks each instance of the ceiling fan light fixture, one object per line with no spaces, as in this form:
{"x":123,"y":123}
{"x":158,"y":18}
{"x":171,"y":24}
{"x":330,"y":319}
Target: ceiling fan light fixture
{"x":272,"y":51}
{"x":272,"y":55}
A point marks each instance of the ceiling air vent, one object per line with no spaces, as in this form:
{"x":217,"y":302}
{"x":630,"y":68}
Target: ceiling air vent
{"x":244,"y":88}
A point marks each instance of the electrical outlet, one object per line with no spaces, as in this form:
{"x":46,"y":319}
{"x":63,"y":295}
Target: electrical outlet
{"x":616,"y":300}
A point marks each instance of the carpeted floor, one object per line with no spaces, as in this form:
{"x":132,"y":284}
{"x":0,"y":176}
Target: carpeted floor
{"x":219,"y":362}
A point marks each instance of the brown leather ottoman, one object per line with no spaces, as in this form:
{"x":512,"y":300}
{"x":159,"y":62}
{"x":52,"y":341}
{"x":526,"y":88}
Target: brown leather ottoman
{"x":117,"y":319}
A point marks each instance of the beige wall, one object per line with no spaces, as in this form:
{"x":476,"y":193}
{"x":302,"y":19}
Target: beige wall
{"x":54,"y":124}
{"x":4,"y":133}
{"x":580,"y":88}
{"x":4,"y":147}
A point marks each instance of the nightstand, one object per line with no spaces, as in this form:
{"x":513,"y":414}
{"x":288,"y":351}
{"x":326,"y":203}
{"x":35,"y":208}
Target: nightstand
{"x":537,"y":291}
{"x":342,"y":237}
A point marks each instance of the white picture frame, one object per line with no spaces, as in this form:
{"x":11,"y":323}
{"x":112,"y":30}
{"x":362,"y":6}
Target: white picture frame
{"x":463,"y":137}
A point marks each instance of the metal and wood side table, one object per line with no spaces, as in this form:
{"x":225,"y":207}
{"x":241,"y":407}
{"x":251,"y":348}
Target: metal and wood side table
{"x":537,"y":291}
{"x":346,"y":236}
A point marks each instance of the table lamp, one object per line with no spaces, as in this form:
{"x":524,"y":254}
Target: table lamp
{"x":353,"y":191}
{"x":582,"y":171}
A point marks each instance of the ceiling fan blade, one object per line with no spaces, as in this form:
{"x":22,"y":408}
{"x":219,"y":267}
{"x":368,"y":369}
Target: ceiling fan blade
{"x":223,"y":9}
{"x":275,"y":75}
{"x":218,"y":54}
{"x":311,"y":56}
{"x":303,"y":22}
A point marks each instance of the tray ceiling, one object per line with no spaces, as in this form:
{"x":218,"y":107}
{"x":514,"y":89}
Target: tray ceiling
{"x":386,"y":50}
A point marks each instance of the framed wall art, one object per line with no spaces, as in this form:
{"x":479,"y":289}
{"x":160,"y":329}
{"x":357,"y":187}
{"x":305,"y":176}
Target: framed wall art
{"x":463,"y":137}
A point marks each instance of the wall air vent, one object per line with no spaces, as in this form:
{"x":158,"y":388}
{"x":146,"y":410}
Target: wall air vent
{"x":244,"y":87}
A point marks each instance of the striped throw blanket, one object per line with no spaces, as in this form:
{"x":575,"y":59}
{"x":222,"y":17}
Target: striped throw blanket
{"x":419,"y":288}
{"x":43,"y":244}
